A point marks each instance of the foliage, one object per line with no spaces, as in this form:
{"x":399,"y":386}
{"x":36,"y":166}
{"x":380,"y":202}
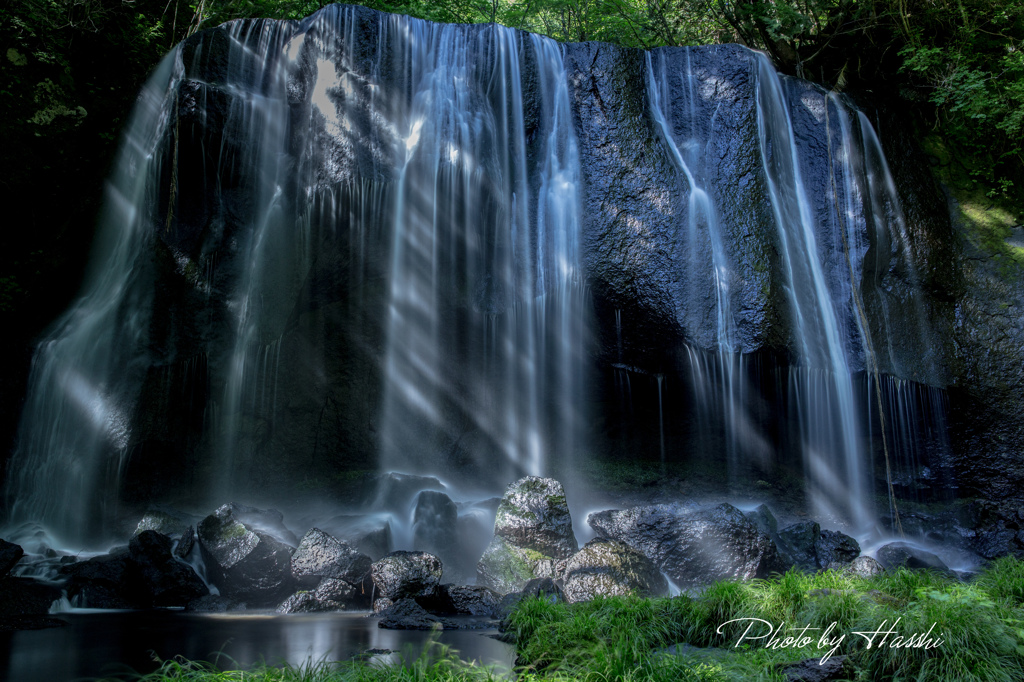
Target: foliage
{"x":981,"y":624}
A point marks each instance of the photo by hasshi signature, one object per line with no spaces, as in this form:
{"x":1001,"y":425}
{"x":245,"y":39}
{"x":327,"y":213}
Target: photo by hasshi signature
{"x":886,"y":635}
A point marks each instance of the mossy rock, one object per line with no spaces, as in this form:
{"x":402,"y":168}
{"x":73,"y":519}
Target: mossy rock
{"x":533,"y":515}
{"x":505,"y":568}
{"x":611,"y":568}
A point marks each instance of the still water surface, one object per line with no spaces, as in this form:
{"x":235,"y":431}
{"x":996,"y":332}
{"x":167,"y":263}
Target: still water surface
{"x":106,"y":643}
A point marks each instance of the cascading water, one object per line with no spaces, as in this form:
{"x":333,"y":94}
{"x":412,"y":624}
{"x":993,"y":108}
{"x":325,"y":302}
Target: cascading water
{"x":75,"y":427}
{"x":821,"y":386}
{"x":911,"y":418}
{"x":485,"y":322}
{"x":313,"y":148}
{"x":361,"y":243}
{"x":718,"y":380}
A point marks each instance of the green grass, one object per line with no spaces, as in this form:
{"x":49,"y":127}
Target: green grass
{"x":981,"y":624}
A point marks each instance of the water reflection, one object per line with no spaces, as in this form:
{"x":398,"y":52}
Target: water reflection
{"x":115,"y":643}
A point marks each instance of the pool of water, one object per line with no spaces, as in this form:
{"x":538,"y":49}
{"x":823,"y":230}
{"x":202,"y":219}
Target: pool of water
{"x":107,"y":643}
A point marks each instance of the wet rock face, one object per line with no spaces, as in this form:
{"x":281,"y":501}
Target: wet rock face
{"x":168,"y":522}
{"x":406,"y":614}
{"x":833,"y":545}
{"x":897,"y":554}
{"x":533,"y":536}
{"x":331,"y":594}
{"x":403,"y":574}
{"x":987,"y":395}
{"x":862,"y":567}
{"x":10,"y":554}
{"x":611,"y":568}
{"x":534,"y":515}
{"x":143,"y":575}
{"x":693,"y":547}
{"x":505,"y":567}
{"x":639,"y":256}
{"x":320,"y":555}
{"x":472,"y":600}
{"x":163,"y":580}
{"x":807,"y":546}
{"x":245,"y":564}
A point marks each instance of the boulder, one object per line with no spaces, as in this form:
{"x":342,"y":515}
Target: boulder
{"x":301,"y":602}
{"x":533,"y":514}
{"x":506,"y":605}
{"x":764,"y":519}
{"x":269,"y":521}
{"x":320,"y":555}
{"x":897,"y":554}
{"x":693,"y":547}
{"x":10,"y":554}
{"x":544,"y":587}
{"x":505,"y":567}
{"x":766,"y":522}
{"x":472,"y":600}
{"x":25,"y":597}
{"x":832,"y":545}
{"x":338,"y":591}
{"x":166,"y":521}
{"x":101,"y":582}
{"x":158,"y":579}
{"x":865,"y":567}
{"x":800,"y":539}
{"x":224,"y":539}
{"x":247,"y":565}
{"x":611,"y":568}
{"x":406,"y":614}
{"x":861,"y":567}
{"x":532,"y":536}
{"x":331,"y":594}
{"x":404,"y":574}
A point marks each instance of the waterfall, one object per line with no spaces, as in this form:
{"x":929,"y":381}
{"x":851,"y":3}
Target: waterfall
{"x":76,"y":424}
{"x":485,"y":312}
{"x":362,"y":243}
{"x":719,"y":379}
{"x":821,"y":386}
